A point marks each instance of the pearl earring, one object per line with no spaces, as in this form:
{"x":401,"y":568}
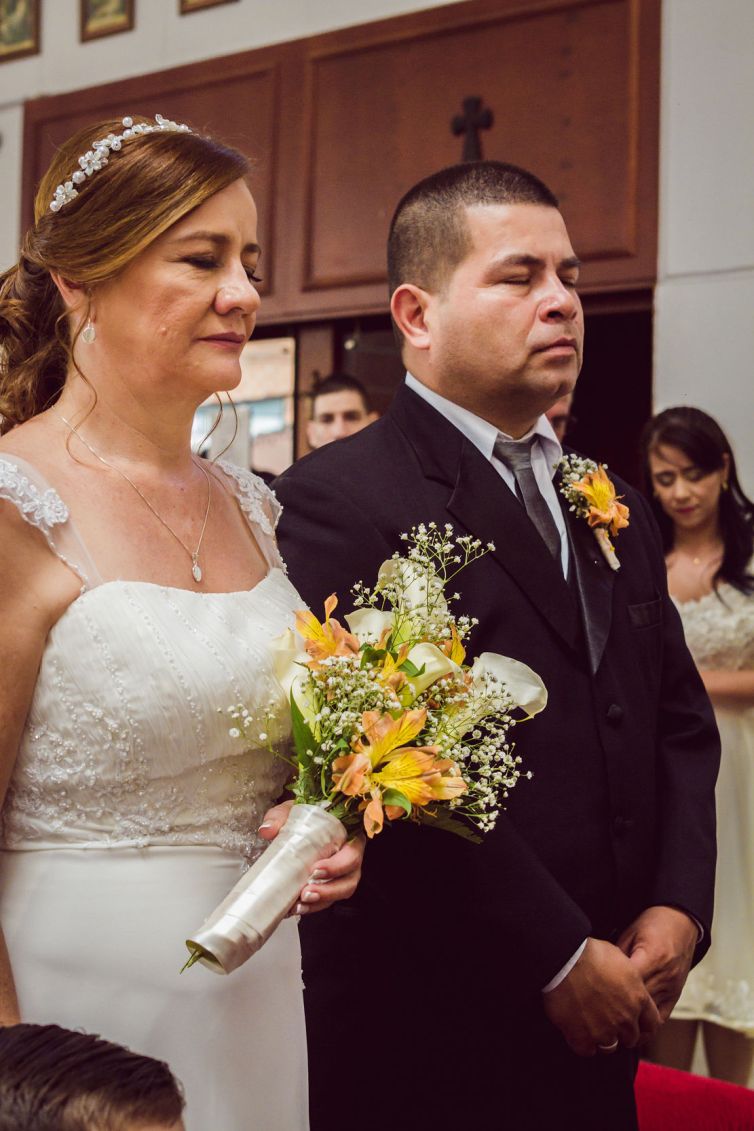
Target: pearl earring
{"x":89,"y":334}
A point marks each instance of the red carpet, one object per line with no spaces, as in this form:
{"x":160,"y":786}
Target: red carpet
{"x":668,"y":1100}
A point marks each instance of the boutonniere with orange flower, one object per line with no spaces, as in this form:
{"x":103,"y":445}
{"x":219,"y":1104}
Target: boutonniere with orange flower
{"x":591,"y":494}
{"x":382,"y":722}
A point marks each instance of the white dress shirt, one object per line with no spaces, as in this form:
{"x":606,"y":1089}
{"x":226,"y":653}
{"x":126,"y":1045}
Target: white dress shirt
{"x":546,"y":453}
{"x":545,"y":456}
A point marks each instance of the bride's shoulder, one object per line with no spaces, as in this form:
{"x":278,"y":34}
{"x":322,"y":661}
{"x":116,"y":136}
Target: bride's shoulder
{"x":31,"y":514}
{"x":256,"y":499}
{"x":35,"y":520}
{"x":25,"y":486}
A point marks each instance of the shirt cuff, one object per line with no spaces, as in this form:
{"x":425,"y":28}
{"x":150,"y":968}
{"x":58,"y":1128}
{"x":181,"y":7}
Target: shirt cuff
{"x":564,"y":971}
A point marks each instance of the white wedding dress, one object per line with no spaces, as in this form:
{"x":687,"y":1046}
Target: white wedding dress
{"x":720,"y":635}
{"x":131,"y":812}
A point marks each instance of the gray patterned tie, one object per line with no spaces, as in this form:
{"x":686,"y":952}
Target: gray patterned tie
{"x":516,"y":454}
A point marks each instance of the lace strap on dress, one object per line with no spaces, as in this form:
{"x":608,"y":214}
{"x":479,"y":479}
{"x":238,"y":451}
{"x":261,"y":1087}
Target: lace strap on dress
{"x":41,"y":506}
{"x":260,"y":506}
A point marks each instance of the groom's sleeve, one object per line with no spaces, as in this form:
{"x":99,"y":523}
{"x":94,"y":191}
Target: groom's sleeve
{"x":326,"y":540}
{"x":329,"y":541}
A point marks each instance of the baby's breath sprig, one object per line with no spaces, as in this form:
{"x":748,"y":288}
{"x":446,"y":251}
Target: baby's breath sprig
{"x":573,"y":469}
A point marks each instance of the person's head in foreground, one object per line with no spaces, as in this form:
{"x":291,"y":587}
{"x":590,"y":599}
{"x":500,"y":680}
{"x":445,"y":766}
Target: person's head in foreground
{"x":52,"y":1079}
{"x":691,"y":479}
{"x":136,"y":280}
{"x":340,"y":407}
{"x":482,"y":278}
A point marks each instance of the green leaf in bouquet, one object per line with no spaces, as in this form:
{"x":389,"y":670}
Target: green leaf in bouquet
{"x":448,"y":822}
{"x":303,"y":739}
{"x":395,"y":797}
{"x":371,"y":656}
{"x":411,"y":670}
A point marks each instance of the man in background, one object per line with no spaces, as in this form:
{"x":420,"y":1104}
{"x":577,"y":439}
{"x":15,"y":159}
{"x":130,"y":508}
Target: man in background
{"x":340,"y":407}
{"x":559,"y":416}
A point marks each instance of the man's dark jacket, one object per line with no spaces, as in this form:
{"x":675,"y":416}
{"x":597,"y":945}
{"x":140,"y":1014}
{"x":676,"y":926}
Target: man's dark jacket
{"x":423,"y":992}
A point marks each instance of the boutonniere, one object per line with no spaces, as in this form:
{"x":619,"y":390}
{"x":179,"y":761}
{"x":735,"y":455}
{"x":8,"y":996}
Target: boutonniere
{"x":591,"y":494}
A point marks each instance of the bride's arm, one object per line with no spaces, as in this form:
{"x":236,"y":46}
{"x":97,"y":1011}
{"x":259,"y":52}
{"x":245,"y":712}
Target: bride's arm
{"x":729,"y":688}
{"x":33,"y":591}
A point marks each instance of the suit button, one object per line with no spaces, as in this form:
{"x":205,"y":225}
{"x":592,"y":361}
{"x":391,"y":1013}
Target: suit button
{"x":614,"y":713}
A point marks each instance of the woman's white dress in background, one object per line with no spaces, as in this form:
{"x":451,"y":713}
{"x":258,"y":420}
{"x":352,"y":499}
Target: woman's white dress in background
{"x":720,"y":634}
{"x":130,"y":814}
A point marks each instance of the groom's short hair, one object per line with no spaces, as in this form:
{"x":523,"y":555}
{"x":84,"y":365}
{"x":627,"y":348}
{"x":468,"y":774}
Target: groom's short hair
{"x":429,"y":235}
{"x":55,"y":1079}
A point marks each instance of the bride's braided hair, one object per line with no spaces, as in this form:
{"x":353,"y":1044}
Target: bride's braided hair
{"x":148,"y":185}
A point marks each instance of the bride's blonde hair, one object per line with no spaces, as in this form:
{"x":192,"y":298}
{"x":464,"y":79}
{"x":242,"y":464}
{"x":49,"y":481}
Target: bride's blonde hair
{"x":154,"y":180}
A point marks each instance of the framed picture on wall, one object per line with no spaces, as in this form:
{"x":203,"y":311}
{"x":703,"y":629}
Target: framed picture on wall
{"x":19,"y":29}
{"x":185,"y":6}
{"x":105,"y":17}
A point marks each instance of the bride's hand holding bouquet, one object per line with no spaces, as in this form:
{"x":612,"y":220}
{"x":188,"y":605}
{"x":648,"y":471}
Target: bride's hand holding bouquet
{"x":332,"y":879}
{"x":389,"y":724}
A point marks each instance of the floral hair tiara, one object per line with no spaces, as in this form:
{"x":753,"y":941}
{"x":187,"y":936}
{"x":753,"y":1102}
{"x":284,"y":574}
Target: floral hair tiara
{"x":97,"y":157}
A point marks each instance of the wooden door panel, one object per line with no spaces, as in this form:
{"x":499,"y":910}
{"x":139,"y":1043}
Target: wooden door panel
{"x":560,"y":87}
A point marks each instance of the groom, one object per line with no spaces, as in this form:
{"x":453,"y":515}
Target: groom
{"x":506,"y":985}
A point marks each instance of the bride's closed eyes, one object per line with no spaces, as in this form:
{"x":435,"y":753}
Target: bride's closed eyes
{"x":209,"y":263}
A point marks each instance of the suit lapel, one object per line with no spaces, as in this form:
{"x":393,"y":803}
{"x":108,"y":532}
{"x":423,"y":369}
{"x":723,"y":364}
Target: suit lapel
{"x":484,"y":506}
{"x":594,"y":584}
{"x":490,"y":511}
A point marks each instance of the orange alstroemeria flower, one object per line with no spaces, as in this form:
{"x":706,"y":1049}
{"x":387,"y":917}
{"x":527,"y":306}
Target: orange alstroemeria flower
{"x":381,"y":761}
{"x":350,"y":773}
{"x":604,"y":507}
{"x":383,"y":734}
{"x":389,"y":675}
{"x":325,"y":639}
{"x":453,"y":648}
{"x":419,"y":775}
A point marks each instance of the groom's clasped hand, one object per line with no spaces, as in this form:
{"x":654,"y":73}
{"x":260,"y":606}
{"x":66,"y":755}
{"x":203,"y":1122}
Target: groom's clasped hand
{"x":603,"y":1000}
{"x":623,"y":993}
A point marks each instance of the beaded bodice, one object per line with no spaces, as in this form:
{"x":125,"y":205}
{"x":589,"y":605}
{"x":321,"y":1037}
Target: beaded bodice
{"x":127,"y":740}
{"x":719,"y":629}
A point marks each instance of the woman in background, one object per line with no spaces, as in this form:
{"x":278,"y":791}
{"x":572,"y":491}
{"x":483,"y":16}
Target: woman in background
{"x":707,"y":525}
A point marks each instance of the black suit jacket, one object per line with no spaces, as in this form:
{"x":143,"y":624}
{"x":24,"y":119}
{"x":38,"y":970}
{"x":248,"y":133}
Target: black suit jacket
{"x":619,"y":813}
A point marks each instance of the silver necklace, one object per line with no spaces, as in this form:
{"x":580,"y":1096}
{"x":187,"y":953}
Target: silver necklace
{"x":196,"y":569}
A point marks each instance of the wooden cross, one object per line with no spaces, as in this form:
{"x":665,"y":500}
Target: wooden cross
{"x":470,"y":123}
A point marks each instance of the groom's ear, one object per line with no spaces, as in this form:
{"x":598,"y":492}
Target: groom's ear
{"x":408,"y":307}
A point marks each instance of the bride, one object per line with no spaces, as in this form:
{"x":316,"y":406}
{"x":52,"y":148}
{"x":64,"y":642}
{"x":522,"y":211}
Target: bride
{"x":140,"y":591}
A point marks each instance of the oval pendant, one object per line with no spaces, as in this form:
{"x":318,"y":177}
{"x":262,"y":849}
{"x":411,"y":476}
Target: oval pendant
{"x":196,"y":571}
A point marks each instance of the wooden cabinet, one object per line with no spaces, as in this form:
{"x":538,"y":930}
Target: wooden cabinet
{"x":340,"y":125}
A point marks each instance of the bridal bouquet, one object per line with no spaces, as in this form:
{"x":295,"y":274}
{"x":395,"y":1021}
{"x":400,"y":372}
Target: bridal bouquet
{"x":389,"y":724}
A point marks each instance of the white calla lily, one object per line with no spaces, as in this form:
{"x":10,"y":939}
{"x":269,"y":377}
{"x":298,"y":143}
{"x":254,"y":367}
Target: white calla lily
{"x":418,"y":588}
{"x":369,"y":624}
{"x":523,"y":685}
{"x":287,"y":656}
{"x":289,"y":665}
{"x":435,"y":664}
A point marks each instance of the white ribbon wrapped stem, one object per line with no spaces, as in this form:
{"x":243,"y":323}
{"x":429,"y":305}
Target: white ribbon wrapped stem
{"x":264,"y":895}
{"x":608,"y":550}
